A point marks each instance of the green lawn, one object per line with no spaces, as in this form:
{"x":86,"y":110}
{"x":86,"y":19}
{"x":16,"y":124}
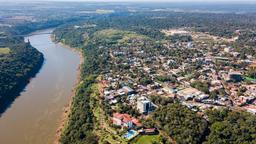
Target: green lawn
{"x":148,"y":139}
{"x":4,"y":50}
{"x":250,"y":79}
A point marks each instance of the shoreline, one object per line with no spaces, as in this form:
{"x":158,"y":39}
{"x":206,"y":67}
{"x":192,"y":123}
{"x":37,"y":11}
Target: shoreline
{"x":67,"y":108}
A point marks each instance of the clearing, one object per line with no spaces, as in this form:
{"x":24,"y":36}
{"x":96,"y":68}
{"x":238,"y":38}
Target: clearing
{"x":5,"y":50}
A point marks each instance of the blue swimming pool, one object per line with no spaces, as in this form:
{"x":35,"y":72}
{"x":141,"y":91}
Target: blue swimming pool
{"x":130,"y":134}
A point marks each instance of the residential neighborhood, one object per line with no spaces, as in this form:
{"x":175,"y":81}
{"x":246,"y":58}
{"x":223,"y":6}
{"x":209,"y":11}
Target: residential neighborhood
{"x":212,"y":76}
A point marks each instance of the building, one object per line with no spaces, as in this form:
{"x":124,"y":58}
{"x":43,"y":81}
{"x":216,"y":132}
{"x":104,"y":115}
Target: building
{"x":144,"y":105}
{"x":253,"y":65}
{"x":227,"y":49}
{"x":149,"y":131}
{"x":125,"y":120}
{"x":190,"y":45}
{"x":188,"y":93}
{"x":128,"y":90}
{"x":235,"y":76}
{"x":250,"y":109}
{"x":251,"y":90}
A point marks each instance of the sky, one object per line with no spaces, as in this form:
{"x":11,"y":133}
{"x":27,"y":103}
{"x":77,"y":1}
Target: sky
{"x":237,"y":1}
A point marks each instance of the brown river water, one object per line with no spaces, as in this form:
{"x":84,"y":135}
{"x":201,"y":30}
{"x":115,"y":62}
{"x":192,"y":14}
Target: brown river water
{"x":35,"y":115}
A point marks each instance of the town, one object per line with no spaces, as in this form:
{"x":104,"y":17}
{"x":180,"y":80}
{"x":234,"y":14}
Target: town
{"x":199,"y":71}
{"x":125,"y":72}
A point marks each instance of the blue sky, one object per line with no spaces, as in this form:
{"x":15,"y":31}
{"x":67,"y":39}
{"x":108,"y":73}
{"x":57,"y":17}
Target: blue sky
{"x":236,"y":1}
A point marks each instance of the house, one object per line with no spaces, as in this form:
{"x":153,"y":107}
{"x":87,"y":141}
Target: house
{"x":121,"y":92}
{"x":171,"y":89}
{"x":250,"y":109}
{"x":149,"y":131}
{"x":227,"y":49}
{"x":202,"y":97}
{"x":125,"y":120}
{"x":253,"y":65}
{"x":122,"y":120}
{"x":251,"y":90}
{"x":128,"y":90}
{"x":245,"y":100}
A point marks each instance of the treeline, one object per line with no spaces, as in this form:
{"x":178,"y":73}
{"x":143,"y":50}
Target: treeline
{"x":16,"y":68}
{"x":220,"y":126}
{"x":184,"y":125}
{"x":81,"y":120}
{"x":28,"y":27}
{"x":151,"y":23}
{"x":217,"y":24}
{"x":79,"y":128}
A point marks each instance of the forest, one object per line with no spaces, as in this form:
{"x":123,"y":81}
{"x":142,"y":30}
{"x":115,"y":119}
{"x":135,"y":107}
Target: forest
{"x":223,"y":126}
{"x":16,"y":68}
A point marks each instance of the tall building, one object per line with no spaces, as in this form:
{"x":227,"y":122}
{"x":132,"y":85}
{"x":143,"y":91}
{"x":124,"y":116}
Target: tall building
{"x":144,"y":105}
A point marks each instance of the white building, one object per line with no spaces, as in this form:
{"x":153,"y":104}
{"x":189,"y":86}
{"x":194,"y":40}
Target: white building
{"x":144,"y":105}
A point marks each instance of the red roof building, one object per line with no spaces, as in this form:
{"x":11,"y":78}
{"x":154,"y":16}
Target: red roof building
{"x":125,"y":120}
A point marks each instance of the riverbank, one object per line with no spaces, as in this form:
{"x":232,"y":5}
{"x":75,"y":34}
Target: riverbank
{"x":20,"y":69}
{"x":67,"y":109}
{"x":39,"y":108}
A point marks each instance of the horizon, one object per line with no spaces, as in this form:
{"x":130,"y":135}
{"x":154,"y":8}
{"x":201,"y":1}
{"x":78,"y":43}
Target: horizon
{"x":143,"y":1}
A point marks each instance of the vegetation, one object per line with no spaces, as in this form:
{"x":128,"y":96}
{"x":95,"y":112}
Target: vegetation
{"x":19,"y":63}
{"x":231,"y":127}
{"x":202,"y":86}
{"x":96,"y":37}
{"x":148,"y":139}
{"x":80,"y":123}
{"x":184,"y":125}
{"x":181,"y":38}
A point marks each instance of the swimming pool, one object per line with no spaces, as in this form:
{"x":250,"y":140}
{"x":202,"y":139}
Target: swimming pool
{"x":130,"y":134}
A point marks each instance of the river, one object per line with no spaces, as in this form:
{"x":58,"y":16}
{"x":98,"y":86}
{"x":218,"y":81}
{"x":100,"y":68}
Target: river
{"x":34,"y":116}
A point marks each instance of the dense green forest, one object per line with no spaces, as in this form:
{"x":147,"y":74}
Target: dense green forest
{"x":184,"y":125}
{"x":231,"y":127}
{"x":16,"y":67}
{"x":151,"y":24}
{"x":223,"y":126}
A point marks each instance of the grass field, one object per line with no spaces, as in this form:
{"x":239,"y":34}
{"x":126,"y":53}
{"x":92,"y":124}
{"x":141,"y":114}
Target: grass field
{"x":250,"y":79}
{"x":148,"y":139}
{"x":103,"y":11}
{"x":4,"y":50}
{"x":121,"y":37}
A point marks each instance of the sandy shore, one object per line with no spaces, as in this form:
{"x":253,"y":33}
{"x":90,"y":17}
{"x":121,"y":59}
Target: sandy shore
{"x":67,"y":109}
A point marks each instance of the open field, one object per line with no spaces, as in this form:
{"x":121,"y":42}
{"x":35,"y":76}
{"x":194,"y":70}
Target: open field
{"x":5,"y":50}
{"x":103,"y":11}
{"x":147,"y":139}
{"x":197,"y":35}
